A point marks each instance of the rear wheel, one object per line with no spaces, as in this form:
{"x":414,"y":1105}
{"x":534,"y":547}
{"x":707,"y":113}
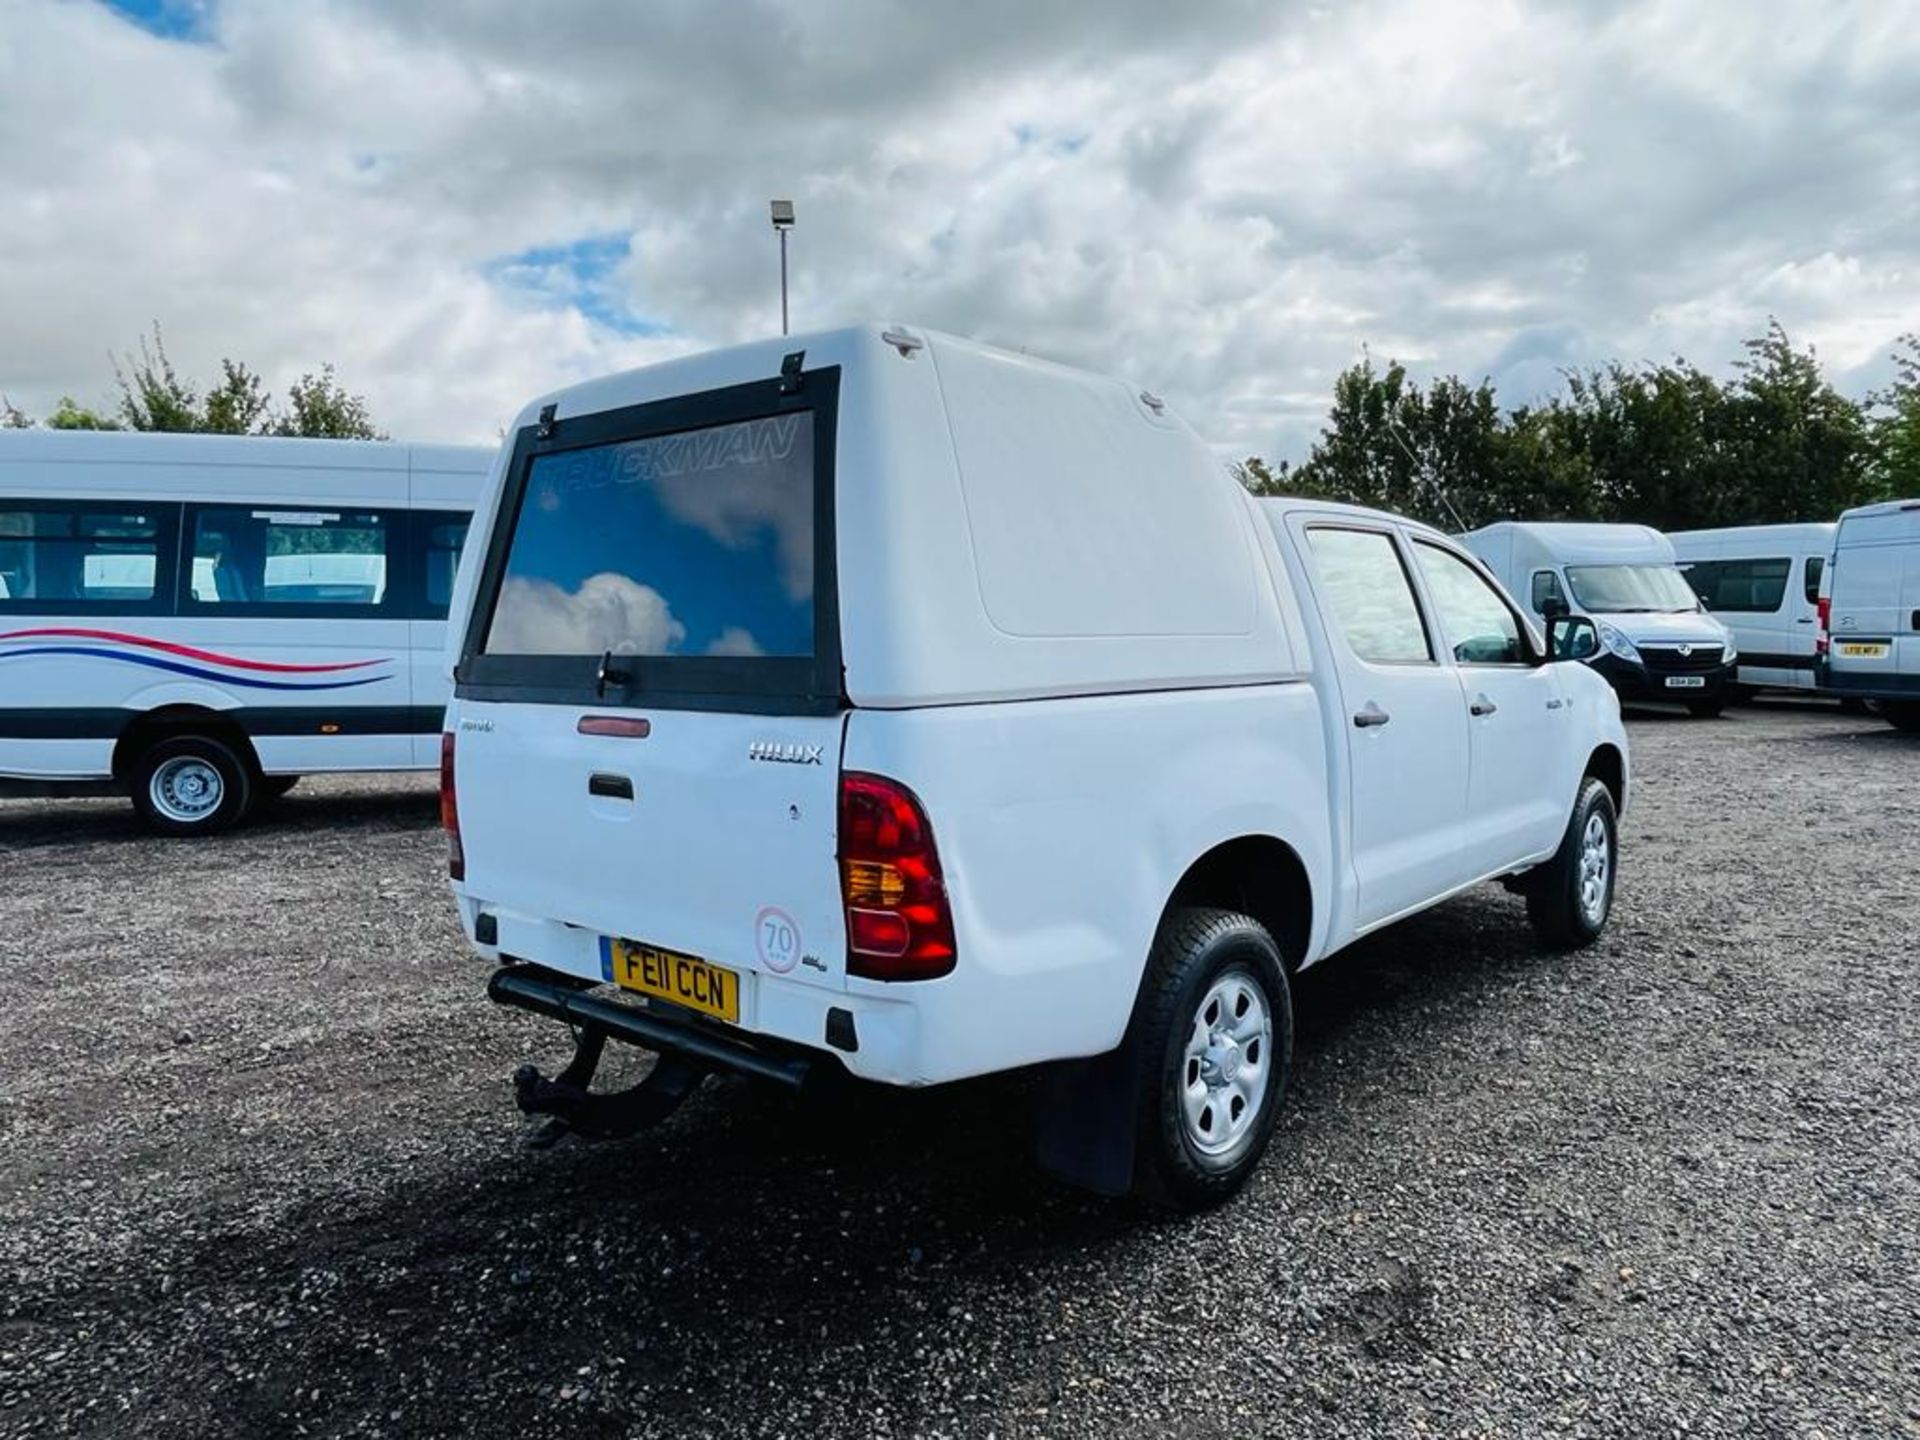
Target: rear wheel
{"x":1570,"y":897}
{"x":1215,"y":1043}
{"x":191,"y":785}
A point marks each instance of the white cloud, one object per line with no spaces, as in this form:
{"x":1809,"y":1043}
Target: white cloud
{"x":1223,"y":201}
{"x":607,"y":612}
{"x":735,"y":641}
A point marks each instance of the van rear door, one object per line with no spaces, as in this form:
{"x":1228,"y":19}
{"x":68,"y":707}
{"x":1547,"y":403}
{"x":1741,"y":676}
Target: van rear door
{"x":648,"y":702}
{"x":1875,"y":609}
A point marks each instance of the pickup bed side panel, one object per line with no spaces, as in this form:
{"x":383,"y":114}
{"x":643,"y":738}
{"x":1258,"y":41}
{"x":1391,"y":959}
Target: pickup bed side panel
{"x":1062,"y":828}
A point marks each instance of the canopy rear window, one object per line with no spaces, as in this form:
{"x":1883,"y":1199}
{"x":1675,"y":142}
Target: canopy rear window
{"x":647,"y":561}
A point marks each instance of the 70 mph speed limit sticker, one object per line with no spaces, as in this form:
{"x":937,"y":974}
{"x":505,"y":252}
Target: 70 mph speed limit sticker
{"x":777,"y":939}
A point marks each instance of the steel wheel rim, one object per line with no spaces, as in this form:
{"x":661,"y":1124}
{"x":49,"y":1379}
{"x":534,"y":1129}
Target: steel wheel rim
{"x":1227,"y":1066}
{"x":186,"y":789}
{"x":1596,"y":868}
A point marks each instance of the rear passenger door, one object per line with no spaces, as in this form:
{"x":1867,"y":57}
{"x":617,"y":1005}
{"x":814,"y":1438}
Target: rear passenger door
{"x":1517,"y":801}
{"x":1404,"y":720}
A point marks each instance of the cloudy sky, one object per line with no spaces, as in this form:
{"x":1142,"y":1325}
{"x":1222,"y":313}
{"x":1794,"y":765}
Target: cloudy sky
{"x":463,"y":205}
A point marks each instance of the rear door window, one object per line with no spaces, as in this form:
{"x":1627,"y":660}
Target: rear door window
{"x":98,"y":558}
{"x":675,"y":553}
{"x":1371,"y":598}
{"x":438,"y":539}
{"x":696,"y":544}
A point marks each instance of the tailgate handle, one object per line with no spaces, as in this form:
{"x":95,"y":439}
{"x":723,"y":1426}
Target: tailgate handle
{"x":611,"y":787}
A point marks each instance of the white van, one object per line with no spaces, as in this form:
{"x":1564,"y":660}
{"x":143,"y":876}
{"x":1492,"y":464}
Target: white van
{"x":1763,"y":583}
{"x":199,"y":620}
{"x":1872,"y":609}
{"x":874,"y":699}
{"x":1656,"y":642}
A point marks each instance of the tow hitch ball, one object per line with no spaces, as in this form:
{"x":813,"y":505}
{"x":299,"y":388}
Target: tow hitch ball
{"x":572,"y":1109}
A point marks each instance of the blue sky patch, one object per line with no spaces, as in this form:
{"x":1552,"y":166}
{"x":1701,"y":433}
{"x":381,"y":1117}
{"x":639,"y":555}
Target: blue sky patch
{"x":190,"y":20}
{"x":582,"y":273}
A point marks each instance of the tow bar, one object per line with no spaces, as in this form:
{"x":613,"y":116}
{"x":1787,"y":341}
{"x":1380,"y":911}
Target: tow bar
{"x":686,"y":1057}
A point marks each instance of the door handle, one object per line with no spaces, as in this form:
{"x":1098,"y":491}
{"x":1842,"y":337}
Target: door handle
{"x":1804,"y":620}
{"x":610,"y":787}
{"x":1482,"y":706}
{"x":1369,"y":716}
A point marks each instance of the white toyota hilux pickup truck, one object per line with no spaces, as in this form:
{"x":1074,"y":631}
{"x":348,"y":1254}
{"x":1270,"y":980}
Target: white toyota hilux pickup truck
{"x":881,"y":701}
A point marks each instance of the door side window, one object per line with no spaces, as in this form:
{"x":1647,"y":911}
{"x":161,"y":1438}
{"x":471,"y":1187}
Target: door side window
{"x":1546,"y":587}
{"x":313,"y":561}
{"x":1479,"y":626}
{"x":1816,"y":567}
{"x":438,"y":538}
{"x":1367,"y":590}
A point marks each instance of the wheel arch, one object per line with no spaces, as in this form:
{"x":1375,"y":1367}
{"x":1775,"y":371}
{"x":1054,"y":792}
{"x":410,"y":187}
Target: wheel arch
{"x":1607,"y":765}
{"x":166,"y":721}
{"x":1260,"y":876}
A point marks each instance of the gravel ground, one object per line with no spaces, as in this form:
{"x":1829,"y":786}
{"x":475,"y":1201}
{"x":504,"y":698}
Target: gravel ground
{"x":260,"y":1171}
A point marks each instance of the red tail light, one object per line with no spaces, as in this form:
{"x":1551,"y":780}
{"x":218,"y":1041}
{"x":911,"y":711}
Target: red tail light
{"x":1824,"y":607}
{"x":450,"y":810}
{"x":899,"y":925}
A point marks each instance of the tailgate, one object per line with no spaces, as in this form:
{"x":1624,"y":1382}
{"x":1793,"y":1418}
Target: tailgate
{"x":712,"y":834}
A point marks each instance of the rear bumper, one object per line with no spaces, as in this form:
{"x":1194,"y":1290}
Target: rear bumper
{"x":1856,"y":685}
{"x":1634,"y":681}
{"x":563,"y":997}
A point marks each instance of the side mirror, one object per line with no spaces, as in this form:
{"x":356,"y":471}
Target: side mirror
{"x":1572,"y":637}
{"x":1554,"y":608}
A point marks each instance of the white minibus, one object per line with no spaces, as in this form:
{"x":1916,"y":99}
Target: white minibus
{"x":199,"y":620}
{"x":1763,"y":583}
{"x":1871,"y":605}
{"x":1656,"y":643}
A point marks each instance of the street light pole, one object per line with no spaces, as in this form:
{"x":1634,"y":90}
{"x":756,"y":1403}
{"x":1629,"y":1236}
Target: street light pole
{"x":782,"y":211}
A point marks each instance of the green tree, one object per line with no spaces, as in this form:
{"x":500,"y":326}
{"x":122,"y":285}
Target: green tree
{"x":69,"y":414}
{"x":238,"y":405}
{"x":1795,"y":448}
{"x":1894,"y":465}
{"x":152,"y":394}
{"x":318,"y":405}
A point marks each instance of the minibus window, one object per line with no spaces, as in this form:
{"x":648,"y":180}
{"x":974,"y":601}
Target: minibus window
{"x":87,"y":556}
{"x":245,"y":556}
{"x":438,"y":542}
{"x":1753,"y":587}
{"x":1816,"y":567}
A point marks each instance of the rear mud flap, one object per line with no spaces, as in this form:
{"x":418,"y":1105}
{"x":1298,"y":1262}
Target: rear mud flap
{"x":1087,"y":1119}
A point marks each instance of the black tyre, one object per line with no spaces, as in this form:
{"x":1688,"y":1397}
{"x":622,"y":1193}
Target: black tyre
{"x":272,"y":787}
{"x":191,"y":785}
{"x":1902,"y":714}
{"x":1706,"y":709}
{"x":1570,"y":897}
{"x":1213,"y":1037}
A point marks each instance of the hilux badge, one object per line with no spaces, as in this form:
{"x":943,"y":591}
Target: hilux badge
{"x":785,"y":752}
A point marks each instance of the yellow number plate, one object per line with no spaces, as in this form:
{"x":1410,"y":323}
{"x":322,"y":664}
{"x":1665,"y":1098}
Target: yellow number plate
{"x":1874,"y":651}
{"x":683,"y":979}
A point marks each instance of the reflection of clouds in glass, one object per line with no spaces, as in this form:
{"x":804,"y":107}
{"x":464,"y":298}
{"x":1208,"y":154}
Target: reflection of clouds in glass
{"x":607,"y":612}
{"x":735,"y":641}
{"x":759,"y":478}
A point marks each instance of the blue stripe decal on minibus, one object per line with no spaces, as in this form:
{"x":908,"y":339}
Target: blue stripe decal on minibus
{"x":154,"y":662}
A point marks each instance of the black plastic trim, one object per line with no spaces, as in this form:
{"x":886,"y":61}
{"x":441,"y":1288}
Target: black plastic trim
{"x":109,"y":722}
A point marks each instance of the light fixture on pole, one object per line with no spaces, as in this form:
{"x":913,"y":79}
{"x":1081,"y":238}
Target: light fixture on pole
{"x":783,"y":222}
